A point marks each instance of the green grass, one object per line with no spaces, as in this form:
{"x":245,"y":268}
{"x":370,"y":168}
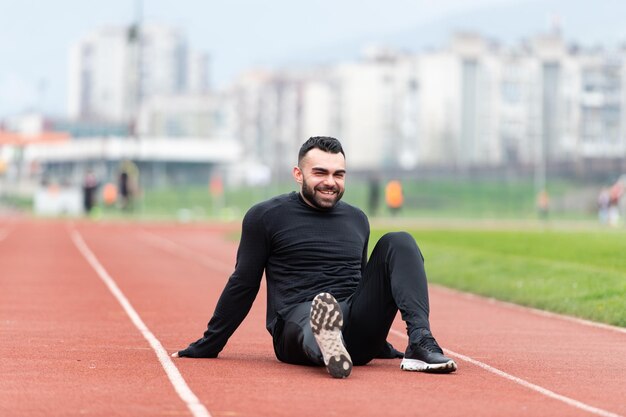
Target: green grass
{"x":578,"y":273}
{"x":196,"y":203}
{"x":495,"y":198}
{"x":499,"y":198}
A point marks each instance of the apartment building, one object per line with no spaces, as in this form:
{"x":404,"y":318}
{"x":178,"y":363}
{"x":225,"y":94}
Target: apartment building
{"x":113,"y":70}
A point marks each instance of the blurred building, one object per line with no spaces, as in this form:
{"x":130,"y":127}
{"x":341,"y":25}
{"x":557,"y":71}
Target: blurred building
{"x":268,"y":119}
{"x":35,"y":149}
{"x":378,"y":109}
{"x":535,"y":106}
{"x":141,"y":93}
{"x":114,"y":69}
{"x":187,"y":115}
{"x":473,"y":104}
{"x":601,"y":109}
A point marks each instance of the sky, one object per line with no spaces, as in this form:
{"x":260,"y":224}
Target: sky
{"x":35,"y":35}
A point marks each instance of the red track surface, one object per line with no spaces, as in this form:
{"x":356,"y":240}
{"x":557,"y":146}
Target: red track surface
{"x":67,"y":347}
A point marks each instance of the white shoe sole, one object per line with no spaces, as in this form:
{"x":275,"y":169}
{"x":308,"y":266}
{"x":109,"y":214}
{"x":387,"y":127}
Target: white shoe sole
{"x":326,"y":323}
{"x":416,"y":365}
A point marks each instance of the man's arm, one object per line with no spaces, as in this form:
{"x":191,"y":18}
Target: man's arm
{"x":364,"y":259}
{"x":367,"y":239}
{"x":240,"y":291}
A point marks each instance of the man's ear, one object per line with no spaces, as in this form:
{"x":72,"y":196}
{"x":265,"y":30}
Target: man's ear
{"x":297,"y":174}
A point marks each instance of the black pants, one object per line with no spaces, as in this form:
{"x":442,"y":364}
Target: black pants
{"x":394,"y":279}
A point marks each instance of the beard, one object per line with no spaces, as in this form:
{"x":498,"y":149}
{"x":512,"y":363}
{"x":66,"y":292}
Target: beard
{"x":321,"y":201}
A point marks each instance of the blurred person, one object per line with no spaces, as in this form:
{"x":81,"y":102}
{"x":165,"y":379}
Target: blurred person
{"x":216,"y":190}
{"x":326,"y":303}
{"x":127,"y":184}
{"x":109,"y":194}
{"x":90,"y":187}
{"x":615,"y":195}
{"x":543,"y":204}
{"x":603,"y":205}
{"x":394,"y":196}
{"x":373,"y":196}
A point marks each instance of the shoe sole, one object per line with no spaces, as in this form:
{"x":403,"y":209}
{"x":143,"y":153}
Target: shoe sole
{"x":326,"y":323}
{"x":416,"y":365}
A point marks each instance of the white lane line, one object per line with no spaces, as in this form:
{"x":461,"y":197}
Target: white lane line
{"x":184,"y":252}
{"x":178,"y":382}
{"x":536,"y":311}
{"x":524,"y":383}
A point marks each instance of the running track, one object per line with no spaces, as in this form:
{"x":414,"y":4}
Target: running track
{"x":89,"y":312}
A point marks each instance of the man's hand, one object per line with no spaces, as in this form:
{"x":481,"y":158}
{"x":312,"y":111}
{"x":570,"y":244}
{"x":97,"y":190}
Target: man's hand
{"x":191,"y":352}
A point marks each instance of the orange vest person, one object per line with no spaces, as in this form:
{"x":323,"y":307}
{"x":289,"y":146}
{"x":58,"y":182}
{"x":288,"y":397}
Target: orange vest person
{"x":394,"y":196}
{"x":109,"y":194}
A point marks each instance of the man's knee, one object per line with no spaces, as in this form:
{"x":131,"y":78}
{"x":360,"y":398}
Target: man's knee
{"x":401,"y":241}
{"x":398,"y":239}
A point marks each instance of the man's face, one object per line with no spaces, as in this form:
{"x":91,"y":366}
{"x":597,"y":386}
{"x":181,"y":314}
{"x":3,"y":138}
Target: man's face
{"x":321,"y":177}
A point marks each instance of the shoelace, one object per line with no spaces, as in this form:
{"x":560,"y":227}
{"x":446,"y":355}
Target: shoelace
{"x":428,"y":342}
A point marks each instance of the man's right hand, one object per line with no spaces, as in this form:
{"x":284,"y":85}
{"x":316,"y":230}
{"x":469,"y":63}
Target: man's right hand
{"x":192,"y":352}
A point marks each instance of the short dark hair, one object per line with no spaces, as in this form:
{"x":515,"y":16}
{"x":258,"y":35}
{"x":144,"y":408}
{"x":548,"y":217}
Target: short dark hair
{"x":324,"y":143}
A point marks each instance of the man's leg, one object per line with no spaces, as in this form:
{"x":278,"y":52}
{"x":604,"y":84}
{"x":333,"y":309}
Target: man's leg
{"x":293,"y":339}
{"x":310,"y":334}
{"x":394,"y":279}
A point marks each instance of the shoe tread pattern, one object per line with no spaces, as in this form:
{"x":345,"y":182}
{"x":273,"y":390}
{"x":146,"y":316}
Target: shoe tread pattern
{"x":326,"y":324}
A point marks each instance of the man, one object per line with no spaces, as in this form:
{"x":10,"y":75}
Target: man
{"x":127,"y":181}
{"x":90,"y":187}
{"x":326,"y":304}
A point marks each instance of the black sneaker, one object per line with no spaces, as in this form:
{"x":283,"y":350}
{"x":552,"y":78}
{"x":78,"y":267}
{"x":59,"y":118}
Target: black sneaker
{"x":326,"y":323}
{"x":425,"y":355}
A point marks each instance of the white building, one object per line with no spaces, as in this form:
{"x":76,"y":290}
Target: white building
{"x":186,"y":115}
{"x":601,"y":109}
{"x":98,"y":81}
{"x":113,"y":69}
{"x":378,"y":109}
{"x":472,"y":104}
{"x":268,"y":117}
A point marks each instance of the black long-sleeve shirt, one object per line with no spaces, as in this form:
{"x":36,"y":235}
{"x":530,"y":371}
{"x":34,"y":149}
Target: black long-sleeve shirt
{"x":303,"y":251}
